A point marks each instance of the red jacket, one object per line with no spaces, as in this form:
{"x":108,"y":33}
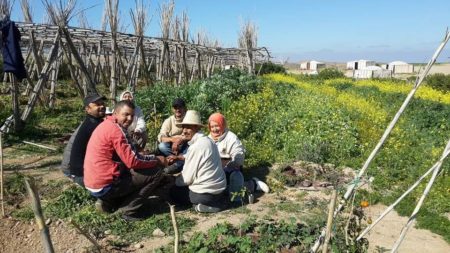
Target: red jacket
{"x":109,"y":147}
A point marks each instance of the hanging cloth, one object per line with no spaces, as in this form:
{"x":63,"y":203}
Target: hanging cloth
{"x":12,"y":55}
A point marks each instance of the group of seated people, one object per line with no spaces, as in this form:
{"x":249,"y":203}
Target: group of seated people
{"x":106,"y":155}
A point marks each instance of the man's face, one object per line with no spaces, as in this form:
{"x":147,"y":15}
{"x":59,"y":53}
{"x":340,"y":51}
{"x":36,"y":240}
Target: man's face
{"x":189,"y":131}
{"x":127,"y":96}
{"x":179,"y":112}
{"x":124,"y":116}
{"x":96,"y":109}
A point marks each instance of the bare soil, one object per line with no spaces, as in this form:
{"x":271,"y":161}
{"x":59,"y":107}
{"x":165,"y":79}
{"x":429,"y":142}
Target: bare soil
{"x":384,"y":235}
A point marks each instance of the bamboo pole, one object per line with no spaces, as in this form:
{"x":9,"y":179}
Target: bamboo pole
{"x":393,"y":205}
{"x":36,"y":205}
{"x":351,"y":187}
{"x":1,"y":174}
{"x":175,"y":227}
{"x":329,"y":221}
{"x":412,"y":218}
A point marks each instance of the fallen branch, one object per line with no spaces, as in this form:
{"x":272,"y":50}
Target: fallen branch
{"x":39,"y":145}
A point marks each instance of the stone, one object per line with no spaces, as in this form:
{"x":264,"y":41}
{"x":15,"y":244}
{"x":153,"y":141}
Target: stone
{"x":306,"y":183}
{"x":158,"y":233}
{"x":300,"y":171}
{"x":328,"y":166}
{"x":315,"y":167}
{"x":31,"y":230}
{"x":108,"y":232}
{"x":48,"y":221}
{"x":139,"y":246}
{"x":348,"y":172}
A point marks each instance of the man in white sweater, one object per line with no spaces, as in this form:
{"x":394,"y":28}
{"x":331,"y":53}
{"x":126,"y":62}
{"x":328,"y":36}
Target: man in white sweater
{"x":202,"y":181}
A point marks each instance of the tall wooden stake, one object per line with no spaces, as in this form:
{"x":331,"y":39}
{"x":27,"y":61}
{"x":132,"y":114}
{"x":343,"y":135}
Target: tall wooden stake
{"x":1,"y":174}
{"x":329,"y":221}
{"x":175,"y":227}
{"x":36,"y":204}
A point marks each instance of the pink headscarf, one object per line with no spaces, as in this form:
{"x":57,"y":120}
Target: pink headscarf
{"x":219,"y":119}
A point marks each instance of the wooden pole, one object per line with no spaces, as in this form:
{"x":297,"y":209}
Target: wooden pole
{"x":15,"y":102}
{"x":1,"y":174}
{"x":36,"y":205}
{"x":329,"y":221}
{"x":351,"y":188}
{"x":175,"y":227}
{"x":39,"y":145}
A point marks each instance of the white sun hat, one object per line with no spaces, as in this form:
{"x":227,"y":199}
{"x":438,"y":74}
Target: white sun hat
{"x":191,"y":118}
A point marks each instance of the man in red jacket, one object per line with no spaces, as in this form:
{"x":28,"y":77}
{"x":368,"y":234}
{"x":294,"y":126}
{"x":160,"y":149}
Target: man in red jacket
{"x":114,"y":172}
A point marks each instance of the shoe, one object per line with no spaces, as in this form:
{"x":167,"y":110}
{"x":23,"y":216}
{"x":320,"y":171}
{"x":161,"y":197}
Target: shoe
{"x":260,"y":185}
{"x":235,"y":186}
{"x":131,"y":218}
{"x":104,"y":207}
{"x":250,"y":186}
{"x":201,"y":208}
{"x":172,"y":169}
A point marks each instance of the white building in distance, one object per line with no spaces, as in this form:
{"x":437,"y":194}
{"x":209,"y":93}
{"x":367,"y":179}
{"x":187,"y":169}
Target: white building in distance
{"x":312,"y":65}
{"x":372,"y":72}
{"x":361,"y":64}
{"x":399,"y":67}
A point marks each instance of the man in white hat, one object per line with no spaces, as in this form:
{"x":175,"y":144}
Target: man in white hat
{"x":202,"y":181}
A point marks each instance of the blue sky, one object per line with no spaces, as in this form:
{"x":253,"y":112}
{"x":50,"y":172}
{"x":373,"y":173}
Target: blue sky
{"x":326,"y":30}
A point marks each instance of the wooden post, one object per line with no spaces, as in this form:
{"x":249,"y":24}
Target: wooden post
{"x":36,"y":205}
{"x":329,"y":221}
{"x":15,"y":102}
{"x":175,"y":227}
{"x":43,"y":78}
{"x":1,"y":175}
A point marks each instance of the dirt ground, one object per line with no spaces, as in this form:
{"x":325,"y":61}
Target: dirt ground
{"x":23,"y":236}
{"x":384,"y":235}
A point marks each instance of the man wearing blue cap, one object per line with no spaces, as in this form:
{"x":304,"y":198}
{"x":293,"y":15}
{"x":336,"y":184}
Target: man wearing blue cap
{"x":75,"y":151}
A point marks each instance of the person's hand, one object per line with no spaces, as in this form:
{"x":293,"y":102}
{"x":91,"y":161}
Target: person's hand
{"x":176,"y":145}
{"x":172,"y":158}
{"x":162,"y":160}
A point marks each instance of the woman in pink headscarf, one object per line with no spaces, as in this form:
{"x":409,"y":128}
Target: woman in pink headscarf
{"x":232,"y":153}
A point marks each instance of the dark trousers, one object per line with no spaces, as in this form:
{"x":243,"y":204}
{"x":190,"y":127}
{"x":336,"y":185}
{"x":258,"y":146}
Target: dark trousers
{"x":130,"y":190}
{"x":183,"y":196}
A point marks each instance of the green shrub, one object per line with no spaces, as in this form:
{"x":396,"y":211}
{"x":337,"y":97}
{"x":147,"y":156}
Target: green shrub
{"x":206,"y":96}
{"x":269,"y":67}
{"x":330,"y":73}
{"x":439,"y":81}
{"x":70,"y":201}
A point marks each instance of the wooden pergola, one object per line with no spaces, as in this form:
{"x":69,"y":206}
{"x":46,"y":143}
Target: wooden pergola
{"x":115,"y":59}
